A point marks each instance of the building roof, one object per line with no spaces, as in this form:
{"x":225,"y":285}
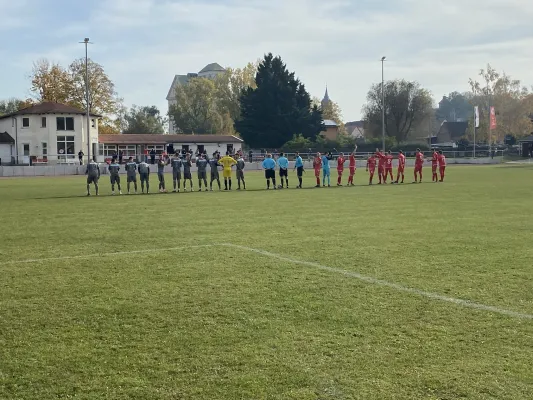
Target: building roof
{"x":326,"y":98}
{"x":524,"y":139}
{"x":455,"y":129}
{"x":5,"y":138}
{"x":329,"y":123}
{"x":166,"y":139}
{"x":48,"y":107}
{"x":211,"y":67}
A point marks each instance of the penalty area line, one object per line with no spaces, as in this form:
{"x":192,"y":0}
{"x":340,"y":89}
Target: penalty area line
{"x":383,"y":283}
{"x":115,"y":253}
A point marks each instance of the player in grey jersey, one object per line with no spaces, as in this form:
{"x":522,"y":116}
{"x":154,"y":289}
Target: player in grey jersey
{"x":131,"y":173}
{"x":213,"y":163}
{"x":144,"y":173}
{"x":240,"y":173}
{"x":114,"y":169}
{"x":187,"y":173}
{"x":201,"y":163}
{"x":176,"y":171}
{"x":93,"y":174}
{"x":161,"y":163}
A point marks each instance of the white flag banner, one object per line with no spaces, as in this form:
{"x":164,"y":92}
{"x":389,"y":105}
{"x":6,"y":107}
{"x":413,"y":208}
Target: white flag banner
{"x":476,"y":116}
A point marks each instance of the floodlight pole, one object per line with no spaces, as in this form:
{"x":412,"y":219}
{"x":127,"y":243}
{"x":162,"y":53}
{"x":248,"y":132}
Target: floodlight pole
{"x":383,"y":102}
{"x":86,"y":42}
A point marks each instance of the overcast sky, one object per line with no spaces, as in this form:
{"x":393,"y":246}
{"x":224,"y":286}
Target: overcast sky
{"x":142,"y":44}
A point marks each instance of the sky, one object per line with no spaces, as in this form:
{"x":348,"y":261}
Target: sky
{"x":142,"y":44}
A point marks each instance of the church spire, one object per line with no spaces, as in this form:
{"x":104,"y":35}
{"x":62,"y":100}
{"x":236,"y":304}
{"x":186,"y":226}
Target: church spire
{"x":326,"y":99}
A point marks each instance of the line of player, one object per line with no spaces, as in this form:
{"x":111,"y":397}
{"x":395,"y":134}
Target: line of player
{"x":177,"y":164}
{"x":321,"y":164}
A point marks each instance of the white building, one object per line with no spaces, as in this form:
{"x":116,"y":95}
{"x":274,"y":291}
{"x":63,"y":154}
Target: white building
{"x":210,"y":71}
{"x":140,"y":146}
{"x":48,"y":133}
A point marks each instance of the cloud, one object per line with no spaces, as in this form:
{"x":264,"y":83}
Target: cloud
{"x":144,"y":43}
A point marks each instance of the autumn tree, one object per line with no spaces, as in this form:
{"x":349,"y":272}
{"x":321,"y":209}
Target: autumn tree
{"x":195,"y":109}
{"x":229,"y":87}
{"x":512,"y":102}
{"x":406,"y":106}
{"x":332,"y":111}
{"x":144,"y":120}
{"x":52,"y":82}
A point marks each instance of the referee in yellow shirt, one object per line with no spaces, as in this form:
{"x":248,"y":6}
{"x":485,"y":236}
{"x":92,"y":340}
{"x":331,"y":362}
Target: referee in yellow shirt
{"x":227,"y":162}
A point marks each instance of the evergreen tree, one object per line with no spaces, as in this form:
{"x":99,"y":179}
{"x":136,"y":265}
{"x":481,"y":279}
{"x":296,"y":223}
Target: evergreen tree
{"x":277,"y":109}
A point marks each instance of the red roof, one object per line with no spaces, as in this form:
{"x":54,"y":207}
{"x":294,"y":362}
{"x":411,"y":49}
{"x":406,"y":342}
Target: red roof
{"x":48,"y":107}
{"x":127,"y":138}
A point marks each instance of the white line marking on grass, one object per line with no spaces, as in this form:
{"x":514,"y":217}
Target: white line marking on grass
{"x":380,"y":282}
{"x":116,"y":253}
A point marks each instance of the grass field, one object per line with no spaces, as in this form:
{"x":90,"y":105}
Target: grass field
{"x":293,"y":294}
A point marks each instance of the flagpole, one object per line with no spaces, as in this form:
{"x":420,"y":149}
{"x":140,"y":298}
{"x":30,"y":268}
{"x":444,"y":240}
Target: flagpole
{"x":474,"y":140}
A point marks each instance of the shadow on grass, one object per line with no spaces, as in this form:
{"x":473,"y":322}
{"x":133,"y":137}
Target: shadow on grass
{"x":335,"y":187}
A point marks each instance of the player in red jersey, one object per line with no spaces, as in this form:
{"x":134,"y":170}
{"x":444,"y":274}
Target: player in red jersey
{"x":371,"y":167}
{"x":317,"y":164}
{"x":340,"y":168}
{"x":388,"y":167}
{"x":442,"y":165}
{"x":381,"y":165}
{"x":401,"y":166}
{"x":419,"y":163}
{"x":352,"y":168}
{"x":434,"y":165}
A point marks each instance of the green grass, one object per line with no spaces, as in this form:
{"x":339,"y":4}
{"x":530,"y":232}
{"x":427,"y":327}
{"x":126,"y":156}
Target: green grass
{"x":225,"y":323}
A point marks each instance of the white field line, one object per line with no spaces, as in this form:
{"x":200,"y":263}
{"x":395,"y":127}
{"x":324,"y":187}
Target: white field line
{"x":116,"y":253}
{"x":380,"y":282}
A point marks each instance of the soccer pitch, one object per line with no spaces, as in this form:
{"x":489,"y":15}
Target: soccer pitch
{"x":384,"y":292}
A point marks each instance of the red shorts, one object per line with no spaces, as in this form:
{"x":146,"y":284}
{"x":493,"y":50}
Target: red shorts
{"x":418,"y":168}
{"x":442,"y":168}
{"x":352,"y":170}
{"x":340,"y":171}
{"x":401,"y":168}
{"x":434,"y":167}
{"x":371,"y":170}
{"x":388,"y":169}
{"x":381,"y":170}
{"x":317,"y":173}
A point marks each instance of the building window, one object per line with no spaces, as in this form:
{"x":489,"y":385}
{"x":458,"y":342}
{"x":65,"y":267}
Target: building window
{"x":44,"y":145}
{"x":109,"y":150}
{"x":128,"y":150}
{"x":43,"y":122}
{"x":159,"y":149}
{"x":65,"y":145}
{"x":65,"y":123}
{"x":25,"y":122}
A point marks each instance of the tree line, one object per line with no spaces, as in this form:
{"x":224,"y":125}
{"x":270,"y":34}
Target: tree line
{"x":269,"y":107}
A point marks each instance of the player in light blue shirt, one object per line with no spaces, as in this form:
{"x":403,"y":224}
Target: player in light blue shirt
{"x":283,"y":164}
{"x":269,"y":165}
{"x":325,"y":169}
{"x":299,"y":167}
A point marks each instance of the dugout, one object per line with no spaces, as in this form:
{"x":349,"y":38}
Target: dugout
{"x":526,"y":146}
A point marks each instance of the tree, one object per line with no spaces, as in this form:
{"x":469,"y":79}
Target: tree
{"x":230,"y":86}
{"x":406,"y":105}
{"x":455,"y":107}
{"x":13,"y":105}
{"x":195,"y":110}
{"x":51,"y":82}
{"x":512,"y":102}
{"x":277,"y":109}
{"x":103,"y":99}
{"x":332,"y":111}
{"x":144,"y":120}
